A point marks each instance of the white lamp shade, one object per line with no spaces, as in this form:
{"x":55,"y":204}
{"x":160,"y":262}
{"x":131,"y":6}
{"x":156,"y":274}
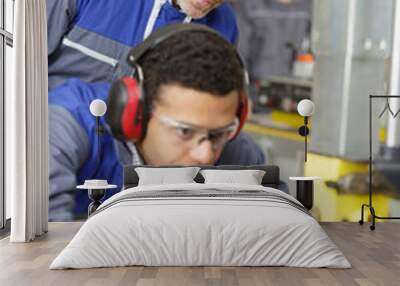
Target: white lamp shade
{"x":98,"y":107}
{"x":305,"y":107}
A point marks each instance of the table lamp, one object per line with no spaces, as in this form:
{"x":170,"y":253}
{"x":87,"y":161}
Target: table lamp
{"x":305,"y":108}
{"x":96,"y":192}
{"x":305,"y":185}
{"x":98,"y":108}
{"x":97,"y":188}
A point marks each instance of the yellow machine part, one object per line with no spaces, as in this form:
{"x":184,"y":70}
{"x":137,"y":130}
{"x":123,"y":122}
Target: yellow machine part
{"x":331,"y":206}
{"x":382,"y":135}
{"x":274,"y":132}
{"x":291,"y":119}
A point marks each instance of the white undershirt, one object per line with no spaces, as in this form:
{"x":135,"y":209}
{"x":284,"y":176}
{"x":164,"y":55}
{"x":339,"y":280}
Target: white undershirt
{"x":154,"y":15}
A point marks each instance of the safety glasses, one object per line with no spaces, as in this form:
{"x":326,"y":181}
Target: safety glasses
{"x":191,"y":136}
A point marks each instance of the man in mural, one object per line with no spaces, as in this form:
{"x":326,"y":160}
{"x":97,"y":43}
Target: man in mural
{"x":90,"y":40}
{"x":193,"y":84}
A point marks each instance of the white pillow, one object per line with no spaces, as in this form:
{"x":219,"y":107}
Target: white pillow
{"x":248,"y":177}
{"x":162,"y":176}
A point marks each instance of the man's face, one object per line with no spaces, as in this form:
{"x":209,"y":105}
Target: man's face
{"x":166,"y":143}
{"x":198,"y":8}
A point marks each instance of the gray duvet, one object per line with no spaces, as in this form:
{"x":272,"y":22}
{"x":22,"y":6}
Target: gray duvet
{"x":201,"y":225}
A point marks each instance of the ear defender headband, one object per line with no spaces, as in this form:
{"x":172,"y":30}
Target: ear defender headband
{"x":127,"y":110}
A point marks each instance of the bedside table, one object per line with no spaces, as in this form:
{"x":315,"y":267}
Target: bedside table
{"x":305,"y":190}
{"x":96,"y":192}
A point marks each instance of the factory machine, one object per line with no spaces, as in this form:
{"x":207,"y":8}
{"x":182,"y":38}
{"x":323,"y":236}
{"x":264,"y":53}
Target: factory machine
{"x":356,"y":50}
{"x":283,"y":93}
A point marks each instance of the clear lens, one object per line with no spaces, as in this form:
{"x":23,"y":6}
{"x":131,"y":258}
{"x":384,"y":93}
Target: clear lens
{"x":193,"y":136}
{"x":185,"y":133}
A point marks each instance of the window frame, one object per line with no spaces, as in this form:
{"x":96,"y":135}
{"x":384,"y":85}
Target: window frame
{"x":6,"y":39}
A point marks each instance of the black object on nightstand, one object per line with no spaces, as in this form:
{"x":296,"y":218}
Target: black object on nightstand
{"x":305,"y":190}
{"x":95,"y":195}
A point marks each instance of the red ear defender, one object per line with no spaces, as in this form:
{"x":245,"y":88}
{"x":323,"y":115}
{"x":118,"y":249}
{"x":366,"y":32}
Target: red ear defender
{"x":243,"y":109}
{"x":132,"y":116}
{"x":242,"y":113}
{"x":125,"y":109}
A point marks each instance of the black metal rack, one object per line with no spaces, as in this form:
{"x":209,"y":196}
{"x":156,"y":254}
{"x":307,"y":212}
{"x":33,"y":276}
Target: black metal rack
{"x":370,"y":206}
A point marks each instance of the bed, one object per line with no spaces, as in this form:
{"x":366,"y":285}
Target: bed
{"x":201,"y":223}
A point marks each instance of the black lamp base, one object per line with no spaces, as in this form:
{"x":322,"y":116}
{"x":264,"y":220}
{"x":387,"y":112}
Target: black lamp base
{"x":305,"y":193}
{"x":95,"y":195}
{"x":305,"y":190}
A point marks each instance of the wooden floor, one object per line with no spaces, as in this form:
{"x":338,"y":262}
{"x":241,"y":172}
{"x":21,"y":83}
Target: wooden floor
{"x":374,"y":255}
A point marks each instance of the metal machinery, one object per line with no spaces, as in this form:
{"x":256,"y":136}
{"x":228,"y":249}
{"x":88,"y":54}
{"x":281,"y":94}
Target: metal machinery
{"x":283,"y":93}
{"x":271,"y":34}
{"x":388,"y":162}
{"x":352,"y":43}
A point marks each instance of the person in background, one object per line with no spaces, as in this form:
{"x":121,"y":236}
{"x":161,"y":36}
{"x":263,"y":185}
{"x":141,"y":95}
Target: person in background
{"x":192,"y":82}
{"x":90,"y":40}
{"x":269,"y":30}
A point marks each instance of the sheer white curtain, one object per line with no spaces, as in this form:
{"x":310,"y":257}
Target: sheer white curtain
{"x":26,"y":123}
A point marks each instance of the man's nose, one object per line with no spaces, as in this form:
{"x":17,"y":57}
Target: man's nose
{"x":204,"y":153}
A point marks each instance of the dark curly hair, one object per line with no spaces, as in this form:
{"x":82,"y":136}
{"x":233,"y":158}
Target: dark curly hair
{"x":192,"y":59}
